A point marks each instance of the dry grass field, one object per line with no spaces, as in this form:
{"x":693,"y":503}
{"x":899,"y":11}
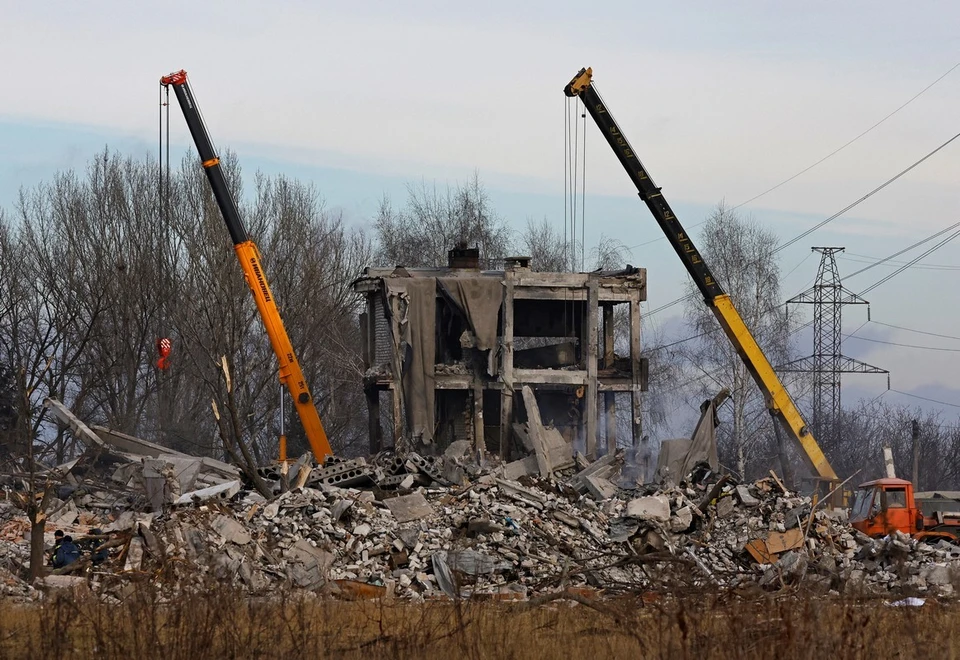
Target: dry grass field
{"x":224,"y":624}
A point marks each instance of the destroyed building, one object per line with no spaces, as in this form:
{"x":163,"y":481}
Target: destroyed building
{"x":448,"y":352}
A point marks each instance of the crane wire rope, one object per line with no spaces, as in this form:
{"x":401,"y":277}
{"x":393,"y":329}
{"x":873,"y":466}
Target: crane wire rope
{"x":847,"y":144}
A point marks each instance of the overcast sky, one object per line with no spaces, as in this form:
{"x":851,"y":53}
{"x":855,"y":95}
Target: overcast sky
{"x":720,"y":100}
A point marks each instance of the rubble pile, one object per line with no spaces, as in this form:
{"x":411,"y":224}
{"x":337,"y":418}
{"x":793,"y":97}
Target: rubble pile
{"x":402,"y":524}
{"x":341,"y":533}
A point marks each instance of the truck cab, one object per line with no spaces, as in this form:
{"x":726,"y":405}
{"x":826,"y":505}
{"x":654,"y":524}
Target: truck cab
{"x":883,"y":506}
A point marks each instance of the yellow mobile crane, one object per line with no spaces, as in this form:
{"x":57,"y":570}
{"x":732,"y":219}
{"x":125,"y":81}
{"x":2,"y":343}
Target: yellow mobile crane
{"x":778,"y":401}
{"x":291,"y":374}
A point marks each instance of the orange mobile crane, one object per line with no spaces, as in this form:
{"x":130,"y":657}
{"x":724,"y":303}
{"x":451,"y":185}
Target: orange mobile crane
{"x":291,"y":374}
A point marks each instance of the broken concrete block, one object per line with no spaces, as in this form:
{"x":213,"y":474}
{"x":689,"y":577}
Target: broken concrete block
{"x":938,"y":574}
{"x":725,"y":507}
{"x":600,"y":488}
{"x":362,"y":530}
{"x":621,"y":529}
{"x":231,"y":530}
{"x":746,"y":499}
{"x":222,"y":491}
{"x":134,"y":555}
{"x":409,"y":507}
{"x":682,"y":520}
{"x":579,"y":479}
{"x":792,"y":564}
{"x":340,"y":508}
{"x":453,"y":473}
{"x":458,"y":450}
{"x":516,"y":469}
{"x":653,"y":507}
{"x":64,"y":581}
{"x":559,"y":451}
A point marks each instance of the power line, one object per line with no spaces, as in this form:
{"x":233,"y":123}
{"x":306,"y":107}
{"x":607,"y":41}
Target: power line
{"x":867,"y":196}
{"x":712,"y":375}
{"x":906,"y":249}
{"x":923,"y":398}
{"x":919,"y":332}
{"x":903,"y":268}
{"x":844,"y":146}
{"x":833,"y":217}
{"x":893,"y":343}
{"x":832,"y":153}
{"x":892,"y":263}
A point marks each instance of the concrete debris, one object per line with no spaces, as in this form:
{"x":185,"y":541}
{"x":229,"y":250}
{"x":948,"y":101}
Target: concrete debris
{"x":395,"y":525}
{"x":655,"y":507}
{"x":600,"y":488}
{"x":219,"y":492}
{"x":408,"y":507}
{"x":493,"y":538}
{"x":746,"y":499}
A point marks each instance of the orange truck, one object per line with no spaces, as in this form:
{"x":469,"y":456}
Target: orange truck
{"x":884,"y":506}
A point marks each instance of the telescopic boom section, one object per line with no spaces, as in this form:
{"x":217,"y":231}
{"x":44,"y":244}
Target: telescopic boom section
{"x":777,"y":398}
{"x":291,"y":374}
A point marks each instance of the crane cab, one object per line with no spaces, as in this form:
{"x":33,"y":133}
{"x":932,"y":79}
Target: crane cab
{"x":883,"y":506}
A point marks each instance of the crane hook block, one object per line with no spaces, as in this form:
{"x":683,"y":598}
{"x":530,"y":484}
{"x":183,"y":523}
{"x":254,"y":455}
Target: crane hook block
{"x":175,"y":78}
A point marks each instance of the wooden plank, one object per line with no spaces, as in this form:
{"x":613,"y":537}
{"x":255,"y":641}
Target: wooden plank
{"x":779,"y":483}
{"x":789,"y":540}
{"x":758,"y":550}
{"x":535,"y":427}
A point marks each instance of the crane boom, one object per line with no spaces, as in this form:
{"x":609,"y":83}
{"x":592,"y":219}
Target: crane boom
{"x":777,"y":399}
{"x":291,"y":375}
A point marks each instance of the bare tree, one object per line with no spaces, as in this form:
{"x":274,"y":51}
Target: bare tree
{"x":433,"y":221}
{"x":546,"y":247}
{"x":609,"y":253}
{"x":741,"y":256}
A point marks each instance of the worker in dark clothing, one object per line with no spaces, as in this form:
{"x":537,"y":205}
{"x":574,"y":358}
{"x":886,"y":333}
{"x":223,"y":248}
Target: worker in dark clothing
{"x":97,"y":555}
{"x":66,"y":554}
{"x":57,"y":540}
